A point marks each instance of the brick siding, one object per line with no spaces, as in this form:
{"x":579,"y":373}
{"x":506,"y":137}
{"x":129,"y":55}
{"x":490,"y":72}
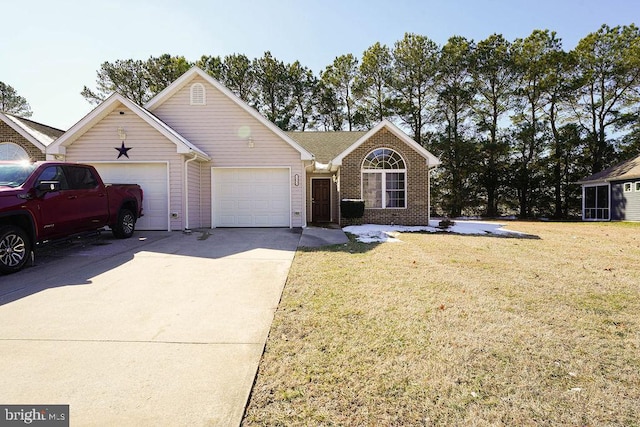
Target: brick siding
{"x":417,"y":176}
{"x":7,"y":134}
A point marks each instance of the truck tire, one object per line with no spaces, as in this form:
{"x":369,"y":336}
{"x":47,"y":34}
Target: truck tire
{"x":125,"y":224}
{"x":15,"y":248}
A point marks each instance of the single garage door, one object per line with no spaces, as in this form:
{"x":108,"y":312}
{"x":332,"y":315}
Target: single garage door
{"x":251,"y":197}
{"x":152,"y":177}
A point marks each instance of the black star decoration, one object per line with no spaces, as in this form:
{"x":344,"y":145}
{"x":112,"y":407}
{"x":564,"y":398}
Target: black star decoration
{"x":122,"y":151}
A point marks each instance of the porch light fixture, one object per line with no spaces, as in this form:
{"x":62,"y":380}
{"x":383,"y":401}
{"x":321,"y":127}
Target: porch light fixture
{"x":296,"y":180}
{"x":122,"y":134}
{"x":250,"y":143}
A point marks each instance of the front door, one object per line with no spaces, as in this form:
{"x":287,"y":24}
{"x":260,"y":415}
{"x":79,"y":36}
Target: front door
{"x":321,"y":200}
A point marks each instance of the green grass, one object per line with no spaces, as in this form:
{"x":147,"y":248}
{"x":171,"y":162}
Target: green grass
{"x":445,"y":329}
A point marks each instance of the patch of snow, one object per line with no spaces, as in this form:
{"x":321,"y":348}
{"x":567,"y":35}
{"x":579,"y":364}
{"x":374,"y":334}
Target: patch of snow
{"x":374,"y":233}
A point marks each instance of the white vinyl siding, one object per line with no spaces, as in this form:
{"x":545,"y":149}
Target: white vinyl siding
{"x":251,"y":197}
{"x":195,"y":197}
{"x":99,"y":144}
{"x":222,"y":129}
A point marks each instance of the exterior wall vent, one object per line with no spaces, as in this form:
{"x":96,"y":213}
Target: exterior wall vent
{"x":198,"y":94}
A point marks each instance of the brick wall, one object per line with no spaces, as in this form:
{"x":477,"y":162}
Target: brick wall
{"x":7,"y":134}
{"x":417,"y":210}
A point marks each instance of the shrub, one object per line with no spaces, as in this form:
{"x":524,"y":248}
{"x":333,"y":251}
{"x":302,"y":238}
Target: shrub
{"x":446,"y":223}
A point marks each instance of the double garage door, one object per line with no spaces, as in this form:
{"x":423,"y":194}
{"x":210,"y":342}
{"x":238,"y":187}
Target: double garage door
{"x":241,"y":197}
{"x":152,"y":177}
{"x":251,"y":197}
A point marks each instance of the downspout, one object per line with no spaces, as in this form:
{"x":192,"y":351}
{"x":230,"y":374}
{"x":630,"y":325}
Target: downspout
{"x":186,"y":193}
{"x":429,"y":169}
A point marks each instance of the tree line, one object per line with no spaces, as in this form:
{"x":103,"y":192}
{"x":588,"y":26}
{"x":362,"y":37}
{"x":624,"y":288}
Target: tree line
{"x":515,"y":123}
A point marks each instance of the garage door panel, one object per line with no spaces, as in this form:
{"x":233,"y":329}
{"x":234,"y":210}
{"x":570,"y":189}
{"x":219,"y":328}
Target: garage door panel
{"x":262,"y":221}
{"x":245,"y":204}
{"x":152,"y":177}
{"x":279,"y":205}
{"x":244,"y":221}
{"x":251,"y":197}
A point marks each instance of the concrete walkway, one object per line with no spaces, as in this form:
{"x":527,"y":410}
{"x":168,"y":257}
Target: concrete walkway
{"x":314,"y":236}
{"x":160,"y":329}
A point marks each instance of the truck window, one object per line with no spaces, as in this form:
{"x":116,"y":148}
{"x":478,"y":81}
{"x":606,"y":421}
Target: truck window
{"x":14,"y":175}
{"x":53,"y":173}
{"x":81,"y":178}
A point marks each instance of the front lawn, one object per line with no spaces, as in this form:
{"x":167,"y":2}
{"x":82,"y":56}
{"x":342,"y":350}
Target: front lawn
{"x":444,"y":329}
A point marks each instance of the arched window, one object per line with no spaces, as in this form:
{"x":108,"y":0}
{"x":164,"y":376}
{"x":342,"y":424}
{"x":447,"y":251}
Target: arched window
{"x":198,"y":94}
{"x":11,"y":151}
{"x":384,"y":180}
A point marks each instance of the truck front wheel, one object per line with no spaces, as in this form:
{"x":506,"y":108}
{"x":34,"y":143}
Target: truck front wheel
{"x":125,"y":224}
{"x":15,"y":248}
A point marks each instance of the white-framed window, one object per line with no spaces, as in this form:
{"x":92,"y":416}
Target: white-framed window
{"x":384,"y":180}
{"x":12,"y":151}
{"x":198,"y":94}
{"x":627,"y":187}
{"x":637,"y":186}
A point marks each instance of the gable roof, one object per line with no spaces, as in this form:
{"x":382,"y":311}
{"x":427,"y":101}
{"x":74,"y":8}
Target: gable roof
{"x":36,"y":133}
{"x":629,"y":169}
{"x":432,"y":160}
{"x":183,"y":146}
{"x":178,"y":84}
{"x":326,"y":145}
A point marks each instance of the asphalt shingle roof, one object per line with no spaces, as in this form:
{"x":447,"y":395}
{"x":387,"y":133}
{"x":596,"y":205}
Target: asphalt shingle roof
{"x":629,"y":169}
{"x":43,"y":133}
{"x":325,"y":146}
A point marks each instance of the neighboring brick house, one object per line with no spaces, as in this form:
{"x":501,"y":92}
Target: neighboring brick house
{"x":24,"y":139}
{"x":613,"y":194}
{"x":383,"y":167}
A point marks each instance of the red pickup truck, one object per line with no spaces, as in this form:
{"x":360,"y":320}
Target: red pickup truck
{"x":45,"y":201}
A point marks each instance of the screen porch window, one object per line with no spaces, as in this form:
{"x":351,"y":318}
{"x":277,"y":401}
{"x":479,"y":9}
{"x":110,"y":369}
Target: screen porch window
{"x":596,"y":202}
{"x":384,"y":180}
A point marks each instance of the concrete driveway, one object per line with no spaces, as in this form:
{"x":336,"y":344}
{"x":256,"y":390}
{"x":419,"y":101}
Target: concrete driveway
{"x":160,"y":329}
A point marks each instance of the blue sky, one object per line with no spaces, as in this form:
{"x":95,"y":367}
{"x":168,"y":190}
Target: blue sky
{"x":50,"y":49}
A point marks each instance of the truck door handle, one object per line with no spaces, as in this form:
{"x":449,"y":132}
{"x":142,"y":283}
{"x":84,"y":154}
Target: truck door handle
{"x":72,"y":197}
